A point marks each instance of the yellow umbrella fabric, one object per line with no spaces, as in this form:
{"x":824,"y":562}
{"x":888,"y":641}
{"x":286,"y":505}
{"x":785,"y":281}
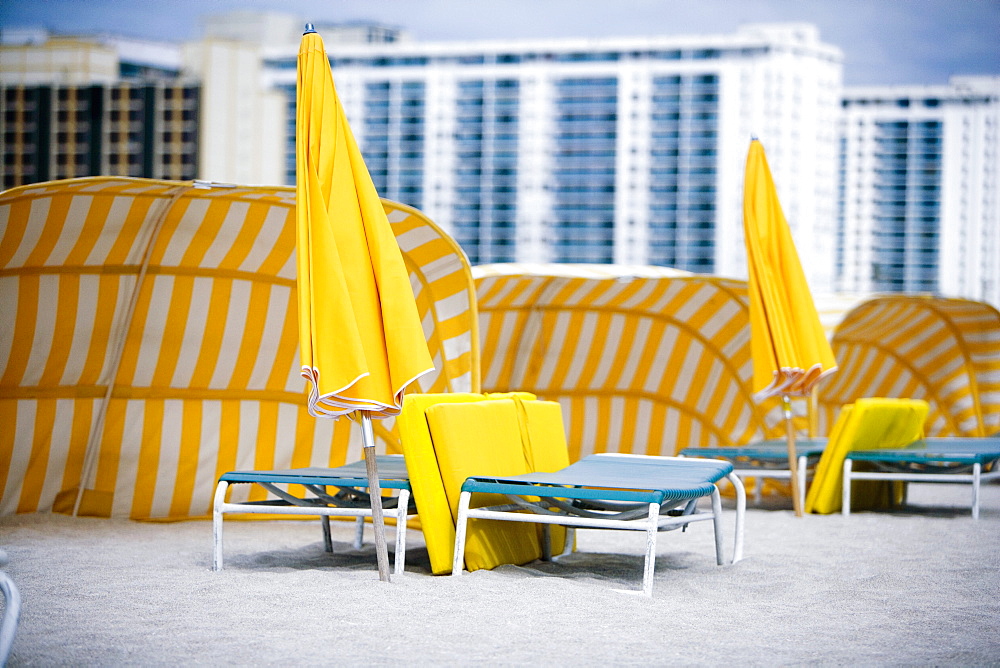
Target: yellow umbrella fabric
{"x":361,"y":338}
{"x":788,"y":345}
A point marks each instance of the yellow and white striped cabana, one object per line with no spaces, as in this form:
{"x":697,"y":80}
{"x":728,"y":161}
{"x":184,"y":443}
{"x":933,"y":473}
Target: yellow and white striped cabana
{"x":184,"y":295}
{"x":945,"y":351}
{"x":644,"y":360}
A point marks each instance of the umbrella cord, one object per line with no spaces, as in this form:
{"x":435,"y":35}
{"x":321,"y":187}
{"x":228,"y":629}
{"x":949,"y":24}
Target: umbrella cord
{"x":90,"y":454}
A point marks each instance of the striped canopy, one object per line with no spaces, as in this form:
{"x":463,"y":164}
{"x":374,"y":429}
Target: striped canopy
{"x":642,"y":359}
{"x":945,"y":351}
{"x":184,"y":293}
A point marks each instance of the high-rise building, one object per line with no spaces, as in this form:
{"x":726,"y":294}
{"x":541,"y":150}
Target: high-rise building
{"x":626,"y":150}
{"x":919,"y":189}
{"x":74,"y":107}
{"x":613,"y":150}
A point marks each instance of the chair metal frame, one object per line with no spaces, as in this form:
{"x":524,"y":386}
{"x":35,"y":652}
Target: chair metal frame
{"x":766,"y":459}
{"x":597,"y":506}
{"x":349,"y":501}
{"x":954,"y":460}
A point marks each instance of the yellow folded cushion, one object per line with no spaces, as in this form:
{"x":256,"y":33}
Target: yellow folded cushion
{"x":436,"y":520}
{"x":425,"y":480}
{"x":483,"y":438}
{"x":547,"y":452}
{"x":867,"y":424}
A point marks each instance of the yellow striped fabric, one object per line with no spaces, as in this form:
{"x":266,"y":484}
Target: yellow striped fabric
{"x":642,"y":359}
{"x":185,"y":295}
{"x":944,"y":351}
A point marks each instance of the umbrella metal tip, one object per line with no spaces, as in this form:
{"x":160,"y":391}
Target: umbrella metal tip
{"x":309,"y":28}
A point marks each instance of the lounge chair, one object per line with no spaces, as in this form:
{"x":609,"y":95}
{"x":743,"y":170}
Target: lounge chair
{"x":962,"y":460}
{"x":610,"y":491}
{"x":867,"y":424}
{"x":350,"y":499}
{"x":767,"y":459}
{"x":348,"y":496}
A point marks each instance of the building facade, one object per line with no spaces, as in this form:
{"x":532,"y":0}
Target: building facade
{"x":626,"y":150}
{"x":610,"y":151}
{"x":919,"y":182}
{"x":71,"y":108}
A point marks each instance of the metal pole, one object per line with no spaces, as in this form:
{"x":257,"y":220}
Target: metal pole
{"x":375,"y":494}
{"x":793,"y":468}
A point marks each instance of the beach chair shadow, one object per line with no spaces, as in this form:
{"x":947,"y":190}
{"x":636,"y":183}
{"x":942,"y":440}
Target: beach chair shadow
{"x":297,"y":549}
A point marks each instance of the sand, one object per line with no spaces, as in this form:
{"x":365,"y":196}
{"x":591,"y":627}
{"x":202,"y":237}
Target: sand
{"x":919,"y":586}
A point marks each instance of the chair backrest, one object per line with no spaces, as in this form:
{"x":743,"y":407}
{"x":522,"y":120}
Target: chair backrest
{"x":868,"y":424}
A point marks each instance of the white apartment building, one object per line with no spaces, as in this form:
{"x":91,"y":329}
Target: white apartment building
{"x":919,"y":180}
{"x":627,"y":150}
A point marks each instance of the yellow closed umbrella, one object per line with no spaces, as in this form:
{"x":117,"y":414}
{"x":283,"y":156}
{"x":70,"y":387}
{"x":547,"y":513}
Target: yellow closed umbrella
{"x":789,"y":348}
{"x":360,"y":335}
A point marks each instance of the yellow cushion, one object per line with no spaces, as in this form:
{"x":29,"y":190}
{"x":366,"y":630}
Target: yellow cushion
{"x":483,"y":438}
{"x":547,"y":452}
{"x":436,"y":520}
{"x":868,"y":424}
{"x":425,"y":480}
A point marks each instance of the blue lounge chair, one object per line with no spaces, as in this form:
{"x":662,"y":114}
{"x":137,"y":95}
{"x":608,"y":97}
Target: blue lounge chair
{"x":610,"y":491}
{"x":350,"y":499}
{"x":963,"y":460}
{"x":767,"y":459}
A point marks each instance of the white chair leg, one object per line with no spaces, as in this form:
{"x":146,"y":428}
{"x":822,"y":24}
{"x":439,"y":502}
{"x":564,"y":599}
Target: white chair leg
{"x":359,"y":533}
{"x":324,"y":522}
{"x":460,"y":526}
{"x":802,"y":482}
{"x":758,"y":491}
{"x":400,"y":561}
{"x":741,"y":507}
{"x":717,"y":524}
{"x":11,"y":613}
{"x":220,"y":498}
{"x":845,"y":506}
{"x":977,"y":471}
{"x":569,"y":541}
{"x":651,"y":530}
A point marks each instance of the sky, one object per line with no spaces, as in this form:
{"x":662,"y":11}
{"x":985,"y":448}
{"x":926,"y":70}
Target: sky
{"x":884,"y":41}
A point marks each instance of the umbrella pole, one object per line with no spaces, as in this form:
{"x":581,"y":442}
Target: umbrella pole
{"x":375,"y":494}
{"x":792,"y":457}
